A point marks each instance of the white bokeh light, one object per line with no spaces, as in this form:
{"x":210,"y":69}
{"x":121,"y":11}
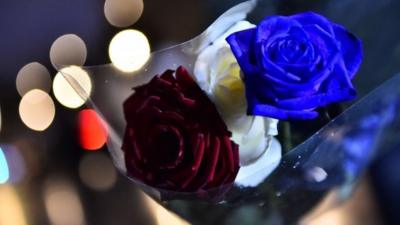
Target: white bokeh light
{"x":123,"y":13}
{"x":37,"y":110}
{"x":65,"y":93}
{"x":11,"y":208}
{"x":63,"y":204}
{"x":129,"y":50}
{"x":33,"y":76}
{"x":68,"y":50}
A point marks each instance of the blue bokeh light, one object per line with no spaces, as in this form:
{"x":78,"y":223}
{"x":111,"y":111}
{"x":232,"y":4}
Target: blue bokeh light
{"x":4,"y":171}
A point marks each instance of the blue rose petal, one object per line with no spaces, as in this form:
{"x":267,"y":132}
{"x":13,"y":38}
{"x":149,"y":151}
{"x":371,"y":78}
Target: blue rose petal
{"x":271,"y":28}
{"x":275,"y":112}
{"x":336,"y":90}
{"x":311,"y":18}
{"x":351,"y":49}
{"x":240,"y":43}
{"x":284,"y":75}
{"x":293,"y":65}
{"x":324,"y":42}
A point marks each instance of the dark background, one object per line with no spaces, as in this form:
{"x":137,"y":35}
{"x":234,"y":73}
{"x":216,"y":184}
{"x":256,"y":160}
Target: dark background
{"x":28,"y":28}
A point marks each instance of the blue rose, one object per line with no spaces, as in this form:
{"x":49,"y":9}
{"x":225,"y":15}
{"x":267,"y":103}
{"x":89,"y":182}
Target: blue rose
{"x":293,"y":65}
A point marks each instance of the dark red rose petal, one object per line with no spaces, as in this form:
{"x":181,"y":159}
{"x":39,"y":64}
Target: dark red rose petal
{"x":175,"y":138}
{"x":183,"y":177}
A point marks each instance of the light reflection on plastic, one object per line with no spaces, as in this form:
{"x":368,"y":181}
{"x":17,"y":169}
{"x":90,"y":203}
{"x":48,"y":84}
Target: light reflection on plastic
{"x":11,"y":211}
{"x":4,"y":170}
{"x":92,"y":130}
{"x":354,"y":211}
{"x":162,"y":215}
{"x":65,"y":93}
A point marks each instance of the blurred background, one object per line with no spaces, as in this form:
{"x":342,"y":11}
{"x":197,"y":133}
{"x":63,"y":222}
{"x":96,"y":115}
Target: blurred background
{"x":54,"y":166}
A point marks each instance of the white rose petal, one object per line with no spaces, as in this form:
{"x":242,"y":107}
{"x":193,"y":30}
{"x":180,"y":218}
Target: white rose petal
{"x":206,"y":74}
{"x":218,"y":74}
{"x":252,"y":175}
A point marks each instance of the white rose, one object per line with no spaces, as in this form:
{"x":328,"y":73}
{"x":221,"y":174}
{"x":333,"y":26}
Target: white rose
{"x":218,"y":74}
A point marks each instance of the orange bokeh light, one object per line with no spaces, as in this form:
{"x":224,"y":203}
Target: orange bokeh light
{"x":92,"y":130}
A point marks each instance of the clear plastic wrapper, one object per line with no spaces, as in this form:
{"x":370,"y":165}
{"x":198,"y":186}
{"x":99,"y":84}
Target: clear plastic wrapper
{"x":331,"y":160}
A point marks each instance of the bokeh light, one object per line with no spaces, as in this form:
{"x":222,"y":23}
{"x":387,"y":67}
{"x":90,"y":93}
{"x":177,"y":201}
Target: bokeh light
{"x":11,"y":210}
{"x":0,"y":120}
{"x":63,"y":204}
{"x":15,"y":162}
{"x":34,"y":154}
{"x":129,"y":50}
{"x":97,"y":171}
{"x":4,"y":170}
{"x":123,"y":13}
{"x":65,"y":93}
{"x":92,"y":130}
{"x":33,"y":76}
{"x":37,"y":110}
{"x":68,"y":50}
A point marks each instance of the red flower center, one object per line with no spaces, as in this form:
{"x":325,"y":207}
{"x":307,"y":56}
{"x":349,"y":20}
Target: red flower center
{"x":168,"y":146}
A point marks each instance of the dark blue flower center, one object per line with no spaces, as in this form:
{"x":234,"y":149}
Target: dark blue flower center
{"x":289,"y":50}
{"x":292,"y":57}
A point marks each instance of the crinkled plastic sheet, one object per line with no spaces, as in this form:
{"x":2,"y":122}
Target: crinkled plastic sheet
{"x":331,"y":160}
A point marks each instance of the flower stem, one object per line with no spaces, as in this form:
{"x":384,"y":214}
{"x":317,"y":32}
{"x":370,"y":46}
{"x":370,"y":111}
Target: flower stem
{"x":287,"y":133}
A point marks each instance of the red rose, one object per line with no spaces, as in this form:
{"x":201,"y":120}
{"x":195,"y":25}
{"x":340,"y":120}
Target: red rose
{"x":175,"y":138}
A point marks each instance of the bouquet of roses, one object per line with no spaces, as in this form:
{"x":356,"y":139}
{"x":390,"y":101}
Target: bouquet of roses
{"x":213,"y":118}
{"x":214,"y":126}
